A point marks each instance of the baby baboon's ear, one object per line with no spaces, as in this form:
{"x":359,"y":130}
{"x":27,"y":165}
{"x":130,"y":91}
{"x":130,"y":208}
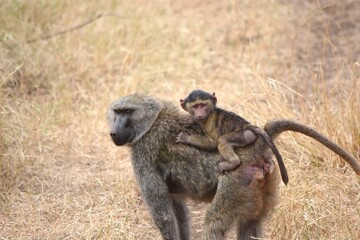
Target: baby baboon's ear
{"x":182,"y":104}
{"x":214,"y":99}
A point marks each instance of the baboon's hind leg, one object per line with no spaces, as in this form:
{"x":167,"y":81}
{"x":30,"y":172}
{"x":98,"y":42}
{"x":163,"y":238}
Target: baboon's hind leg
{"x":217,"y":221}
{"x":249,"y":230}
{"x":236,"y":199}
{"x":182,"y":215}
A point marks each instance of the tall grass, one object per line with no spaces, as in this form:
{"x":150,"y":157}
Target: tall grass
{"x":62,"y":178}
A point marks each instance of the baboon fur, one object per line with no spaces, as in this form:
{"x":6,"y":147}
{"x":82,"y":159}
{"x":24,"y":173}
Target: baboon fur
{"x":170,"y":172}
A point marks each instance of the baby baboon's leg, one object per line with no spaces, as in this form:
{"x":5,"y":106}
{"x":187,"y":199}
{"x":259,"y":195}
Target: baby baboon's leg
{"x":226,"y":144}
{"x":251,"y":137}
{"x":231,"y":160}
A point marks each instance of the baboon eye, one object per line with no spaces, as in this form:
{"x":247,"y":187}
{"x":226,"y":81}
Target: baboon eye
{"x":123,"y":111}
{"x":128,"y":111}
{"x":199,"y":105}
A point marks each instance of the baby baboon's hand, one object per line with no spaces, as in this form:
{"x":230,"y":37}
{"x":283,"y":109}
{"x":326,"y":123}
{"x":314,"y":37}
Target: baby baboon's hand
{"x":182,"y":137}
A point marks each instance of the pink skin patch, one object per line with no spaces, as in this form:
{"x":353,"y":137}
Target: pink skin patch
{"x":255,"y":171}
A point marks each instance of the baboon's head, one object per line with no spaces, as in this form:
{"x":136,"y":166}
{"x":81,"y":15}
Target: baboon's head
{"x":130,"y":117}
{"x":199,"y":104}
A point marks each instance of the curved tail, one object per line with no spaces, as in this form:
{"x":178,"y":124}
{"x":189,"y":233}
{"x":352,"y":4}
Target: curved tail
{"x":261,"y":132}
{"x":274,"y":128}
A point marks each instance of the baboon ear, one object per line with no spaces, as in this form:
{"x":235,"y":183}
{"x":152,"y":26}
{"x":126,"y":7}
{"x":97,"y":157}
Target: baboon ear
{"x":182,"y":103}
{"x":214,"y":99}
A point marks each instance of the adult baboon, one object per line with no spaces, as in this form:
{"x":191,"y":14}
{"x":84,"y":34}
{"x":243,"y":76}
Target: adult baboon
{"x":167,"y":171}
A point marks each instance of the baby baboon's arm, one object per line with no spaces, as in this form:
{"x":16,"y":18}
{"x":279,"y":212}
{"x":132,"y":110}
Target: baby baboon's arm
{"x":198,"y":141}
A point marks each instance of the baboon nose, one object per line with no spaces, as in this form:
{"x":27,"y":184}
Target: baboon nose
{"x":112,"y":134}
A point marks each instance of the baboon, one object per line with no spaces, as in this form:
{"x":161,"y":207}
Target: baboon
{"x":223,"y":131}
{"x":169,"y":172}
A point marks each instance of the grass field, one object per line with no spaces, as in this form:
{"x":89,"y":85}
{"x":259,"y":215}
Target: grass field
{"x":63,"y":62}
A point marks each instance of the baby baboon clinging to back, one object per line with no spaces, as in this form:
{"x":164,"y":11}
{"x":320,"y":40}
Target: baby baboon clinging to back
{"x":223,"y":131}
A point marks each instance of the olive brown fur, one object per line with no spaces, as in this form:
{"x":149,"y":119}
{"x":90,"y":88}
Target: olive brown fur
{"x":223,"y":131}
{"x":168,"y":172}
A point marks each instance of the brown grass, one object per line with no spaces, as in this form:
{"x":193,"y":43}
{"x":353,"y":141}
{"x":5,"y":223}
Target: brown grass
{"x":62,"y":178}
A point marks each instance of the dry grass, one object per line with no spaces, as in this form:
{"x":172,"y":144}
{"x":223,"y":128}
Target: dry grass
{"x":62,"y":178}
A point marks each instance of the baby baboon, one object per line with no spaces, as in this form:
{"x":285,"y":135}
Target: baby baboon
{"x":168,"y":172}
{"x":223,"y":131}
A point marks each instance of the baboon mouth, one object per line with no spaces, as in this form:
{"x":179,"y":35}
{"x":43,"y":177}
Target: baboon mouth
{"x":120,"y":141}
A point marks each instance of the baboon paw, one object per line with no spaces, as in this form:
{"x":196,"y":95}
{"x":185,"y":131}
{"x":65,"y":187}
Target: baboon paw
{"x":181,"y":137}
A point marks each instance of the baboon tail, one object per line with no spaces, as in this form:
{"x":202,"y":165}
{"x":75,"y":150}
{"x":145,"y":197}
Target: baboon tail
{"x":261,"y":132}
{"x":274,"y":128}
